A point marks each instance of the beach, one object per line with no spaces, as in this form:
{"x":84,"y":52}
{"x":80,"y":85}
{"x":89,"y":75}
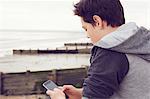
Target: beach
{"x":22,"y":63}
{"x":39,"y":40}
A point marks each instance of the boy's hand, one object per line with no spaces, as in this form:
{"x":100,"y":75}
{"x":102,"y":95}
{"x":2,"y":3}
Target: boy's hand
{"x":56,"y":94}
{"x":72,"y":92}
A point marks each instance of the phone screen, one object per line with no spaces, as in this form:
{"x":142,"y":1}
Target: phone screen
{"x":49,"y":85}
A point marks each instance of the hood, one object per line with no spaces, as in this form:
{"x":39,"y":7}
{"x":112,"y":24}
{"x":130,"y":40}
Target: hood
{"x":129,"y":39}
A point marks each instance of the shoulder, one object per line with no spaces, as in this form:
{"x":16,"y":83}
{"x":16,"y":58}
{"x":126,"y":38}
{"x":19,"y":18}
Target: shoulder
{"x":104,"y":58}
{"x":109,"y":55}
{"x":97,"y":51}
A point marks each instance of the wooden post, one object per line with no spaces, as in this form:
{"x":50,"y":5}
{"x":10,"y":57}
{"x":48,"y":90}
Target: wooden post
{"x":38,"y":51}
{"x":1,"y":83}
{"x":30,"y":51}
{"x":76,"y":46}
{"x":86,"y":69}
{"x":21,"y":51}
{"x":54,"y":73}
{"x":27,"y":75}
{"x":66,"y":48}
{"x":27,"y":72}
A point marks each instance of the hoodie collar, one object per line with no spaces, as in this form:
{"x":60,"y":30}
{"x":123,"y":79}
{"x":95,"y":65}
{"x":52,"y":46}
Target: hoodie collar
{"x":119,"y":36}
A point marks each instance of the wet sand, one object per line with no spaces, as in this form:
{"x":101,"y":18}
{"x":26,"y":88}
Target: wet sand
{"x":22,"y":63}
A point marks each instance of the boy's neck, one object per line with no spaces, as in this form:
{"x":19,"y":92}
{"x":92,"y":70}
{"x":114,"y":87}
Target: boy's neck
{"x":108,"y":30}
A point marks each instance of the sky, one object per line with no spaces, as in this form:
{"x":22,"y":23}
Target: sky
{"x":38,"y":15}
{"x":58,"y":15}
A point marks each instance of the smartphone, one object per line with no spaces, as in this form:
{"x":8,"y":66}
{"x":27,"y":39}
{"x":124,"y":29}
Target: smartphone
{"x":49,"y":85}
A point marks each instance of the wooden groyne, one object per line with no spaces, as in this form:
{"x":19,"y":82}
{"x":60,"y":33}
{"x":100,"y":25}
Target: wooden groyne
{"x":30,"y":83}
{"x":78,"y":44}
{"x":46,"y":51}
{"x":69,"y":48}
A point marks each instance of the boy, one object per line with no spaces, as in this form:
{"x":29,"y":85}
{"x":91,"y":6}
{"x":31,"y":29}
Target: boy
{"x":120,"y":58}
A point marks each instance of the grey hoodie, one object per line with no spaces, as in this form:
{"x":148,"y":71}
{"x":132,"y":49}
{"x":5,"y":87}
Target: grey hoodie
{"x":129,"y":39}
{"x":134,"y":41}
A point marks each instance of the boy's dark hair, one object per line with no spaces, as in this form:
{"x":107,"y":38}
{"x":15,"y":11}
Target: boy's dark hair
{"x":110,"y":11}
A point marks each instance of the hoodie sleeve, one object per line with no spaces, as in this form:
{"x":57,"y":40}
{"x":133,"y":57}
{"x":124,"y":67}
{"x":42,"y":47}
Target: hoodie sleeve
{"x":107,"y":70}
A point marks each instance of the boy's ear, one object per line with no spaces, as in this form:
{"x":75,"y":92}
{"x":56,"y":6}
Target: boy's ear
{"x":98,"y":21}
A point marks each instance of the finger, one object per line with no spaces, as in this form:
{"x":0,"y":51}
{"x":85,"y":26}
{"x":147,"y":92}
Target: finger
{"x":67,"y":87}
{"x":49,"y":92}
{"x":57,"y":90}
{"x":61,"y":88}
